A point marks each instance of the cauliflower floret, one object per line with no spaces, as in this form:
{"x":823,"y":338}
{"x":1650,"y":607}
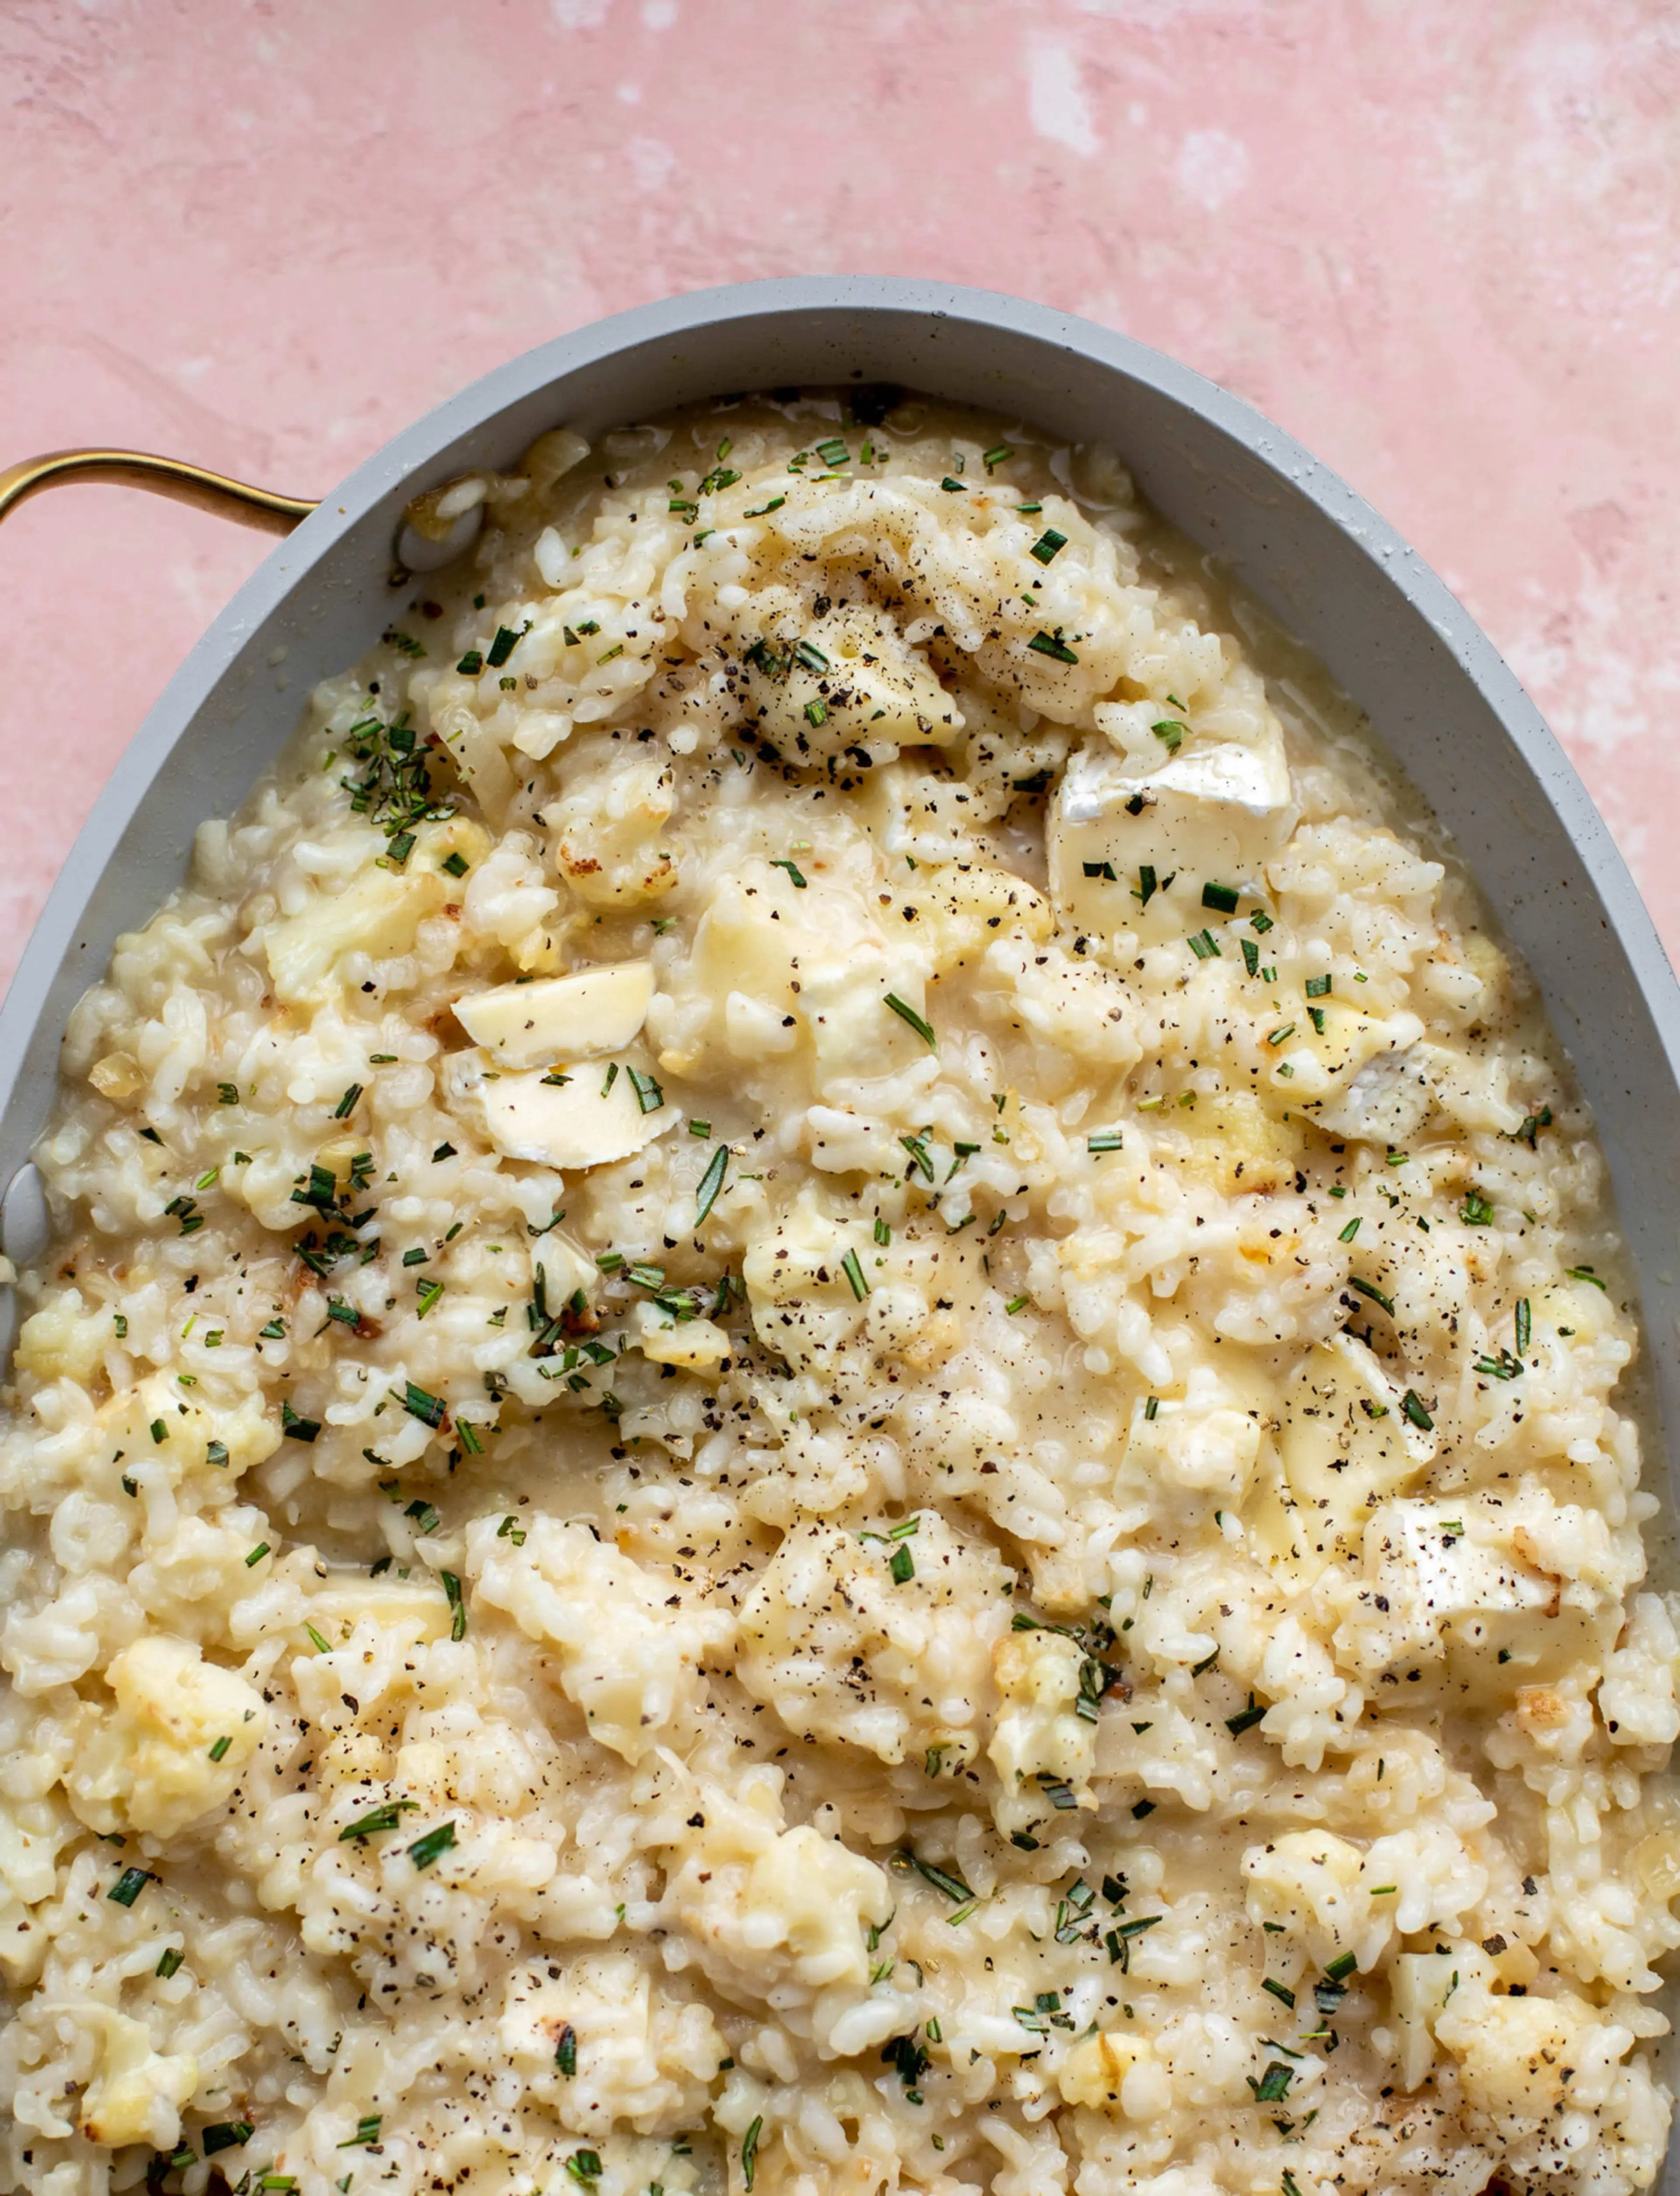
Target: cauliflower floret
{"x":610,"y":829}
{"x":139,"y":2092}
{"x":65,"y":1339}
{"x":844,"y":1647}
{"x":1314,"y":1885}
{"x":1116,"y":2073}
{"x":174,"y":1745}
{"x":598,"y":2046}
{"x":1336,"y":1899}
{"x":377,"y":914}
{"x":625,"y":1660}
{"x":1518,"y":2057}
{"x":777,"y":1912}
{"x":1040,"y":1744}
{"x":1203,"y":1446}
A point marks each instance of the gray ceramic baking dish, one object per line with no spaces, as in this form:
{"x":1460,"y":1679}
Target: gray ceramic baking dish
{"x":1435,"y":691}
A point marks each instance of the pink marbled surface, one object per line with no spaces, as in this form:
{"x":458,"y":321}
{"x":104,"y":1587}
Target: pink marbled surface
{"x":1435,"y":240}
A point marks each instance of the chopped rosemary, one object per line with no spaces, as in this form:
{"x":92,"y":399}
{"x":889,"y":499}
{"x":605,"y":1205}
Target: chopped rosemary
{"x":953,"y":1886}
{"x":1272,"y":2087}
{"x":457,"y":1620}
{"x":425,"y":1850}
{"x":384,"y":1817}
{"x":711,"y":1183}
{"x":428,"y":1409}
{"x":923,"y":1030}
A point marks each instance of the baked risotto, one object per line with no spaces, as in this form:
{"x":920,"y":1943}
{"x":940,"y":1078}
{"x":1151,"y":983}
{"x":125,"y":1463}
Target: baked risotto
{"x":827,"y":1402}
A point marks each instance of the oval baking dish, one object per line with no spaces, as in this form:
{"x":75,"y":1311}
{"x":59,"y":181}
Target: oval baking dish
{"x":1436,"y":691}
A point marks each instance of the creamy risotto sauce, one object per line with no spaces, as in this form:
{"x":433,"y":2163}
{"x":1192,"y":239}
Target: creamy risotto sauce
{"x":827,"y":1402}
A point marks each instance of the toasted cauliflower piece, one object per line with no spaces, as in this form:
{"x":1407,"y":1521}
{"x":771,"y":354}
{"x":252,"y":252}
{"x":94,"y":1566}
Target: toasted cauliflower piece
{"x":775,"y":1911}
{"x":597,"y":2044}
{"x":1040,"y":1744}
{"x":138,"y":2093}
{"x":174,"y":1745}
{"x":1116,"y":2073}
{"x":626,"y":1659}
{"x":844,"y":1646}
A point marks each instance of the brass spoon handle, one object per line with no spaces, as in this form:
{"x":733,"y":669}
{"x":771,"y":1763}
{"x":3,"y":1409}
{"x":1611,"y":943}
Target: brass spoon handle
{"x":183,"y":483}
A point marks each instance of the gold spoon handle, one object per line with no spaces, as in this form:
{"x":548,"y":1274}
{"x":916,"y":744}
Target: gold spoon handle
{"x":183,"y":483}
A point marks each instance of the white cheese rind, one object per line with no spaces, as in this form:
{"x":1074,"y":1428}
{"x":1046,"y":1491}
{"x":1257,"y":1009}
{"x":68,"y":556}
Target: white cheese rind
{"x":591,"y":1118}
{"x":1215,"y":812}
{"x":582,"y":1016}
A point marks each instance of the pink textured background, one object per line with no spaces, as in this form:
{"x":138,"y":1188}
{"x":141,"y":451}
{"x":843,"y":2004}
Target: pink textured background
{"x":1435,"y":240}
